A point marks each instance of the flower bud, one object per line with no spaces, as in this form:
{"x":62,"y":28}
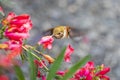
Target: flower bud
{"x":48,"y":58}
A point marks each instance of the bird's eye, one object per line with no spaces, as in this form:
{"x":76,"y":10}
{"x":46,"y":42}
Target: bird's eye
{"x":59,"y":33}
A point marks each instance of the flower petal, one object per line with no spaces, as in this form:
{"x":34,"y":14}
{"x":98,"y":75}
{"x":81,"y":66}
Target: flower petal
{"x":46,"y":41}
{"x":68,"y":53}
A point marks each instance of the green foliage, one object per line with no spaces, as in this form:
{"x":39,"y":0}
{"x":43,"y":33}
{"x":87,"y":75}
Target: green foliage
{"x":55,"y":66}
{"x":19,"y":72}
{"x":32,"y":66}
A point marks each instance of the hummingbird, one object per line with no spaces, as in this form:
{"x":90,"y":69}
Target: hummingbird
{"x":60,"y":32}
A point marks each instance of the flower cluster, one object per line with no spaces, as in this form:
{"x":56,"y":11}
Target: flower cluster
{"x":90,"y":72}
{"x":15,"y":28}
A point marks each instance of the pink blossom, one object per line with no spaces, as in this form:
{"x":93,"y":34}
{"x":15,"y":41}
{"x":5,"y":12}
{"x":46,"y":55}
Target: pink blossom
{"x":16,"y":36}
{"x":3,"y":77}
{"x":101,"y":74}
{"x":46,"y":41}
{"x":19,"y":20}
{"x":14,"y":48}
{"x":104,"y":71}
{"x":12,"y":44}
{"x":68,"y":53}
{"x":39,"y":63}
{"x":39,"y":74}
{"x":8,"y":18}
{"x":5,"y":61}
{"x":61,"y":73}
{"x":13,"y":53}
{"x":18,"y":26}
{"x":43,"y":77}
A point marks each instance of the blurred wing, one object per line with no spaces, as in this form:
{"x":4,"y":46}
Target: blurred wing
{"x":76,"y":34}
{"x":48,"y":32}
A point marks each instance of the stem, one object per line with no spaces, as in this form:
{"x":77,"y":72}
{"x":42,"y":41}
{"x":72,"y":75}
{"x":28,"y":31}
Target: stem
{"x":35,"y":49}
{"x":38,"y":52}
{"x":36,"y":57}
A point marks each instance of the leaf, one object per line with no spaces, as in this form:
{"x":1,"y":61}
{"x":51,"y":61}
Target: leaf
{"x":55,"y":66}
{"x":75,"y":67}
{"x":32,"y":65}
{"x":23,"y":57}
{"x":19,"y":72}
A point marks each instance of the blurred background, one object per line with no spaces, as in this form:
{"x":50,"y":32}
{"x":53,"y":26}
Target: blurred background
{"x":100,"y":17}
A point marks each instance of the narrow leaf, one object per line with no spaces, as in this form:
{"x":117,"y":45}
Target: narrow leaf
{"x":32,"y":66}
{"x":56,"y":65}
{"x":23,"y":57}
{"x":19,"y":72}
{"x":75,"y":67}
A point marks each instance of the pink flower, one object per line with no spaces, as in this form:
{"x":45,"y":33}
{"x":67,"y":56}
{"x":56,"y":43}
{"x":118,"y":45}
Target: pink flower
{"x":12,"y":44}
{"x":104,"y":71}
{"x":14,"y":48}
{"x":13,"y":53}
{"x":8,"y":18}
{"x":62,"y":73}
{"x":3,"y":77}
{"x":90,"y":65}
{"x":83,"y":73}
{"x":68,"y":53}
{"x":39,"y":63}
{"x":40,"y":75}
{"x":1,"y":11}
{"x":16,"y":35}
{"x":43,"y":77}
{"x":101,"y":74}
{"x":46,"y":42}
{"x":21,"y":21}
{"x":104,"y":77}
{"x":5,"y":61}
{"x":17,"y":26}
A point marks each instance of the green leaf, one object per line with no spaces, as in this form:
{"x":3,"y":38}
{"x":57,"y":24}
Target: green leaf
{"x":19,"y":72}
{"x":23,"y":57}
{"x":32,"y":65}
{"x":55,"y":66}
{"x":75,"y":67}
